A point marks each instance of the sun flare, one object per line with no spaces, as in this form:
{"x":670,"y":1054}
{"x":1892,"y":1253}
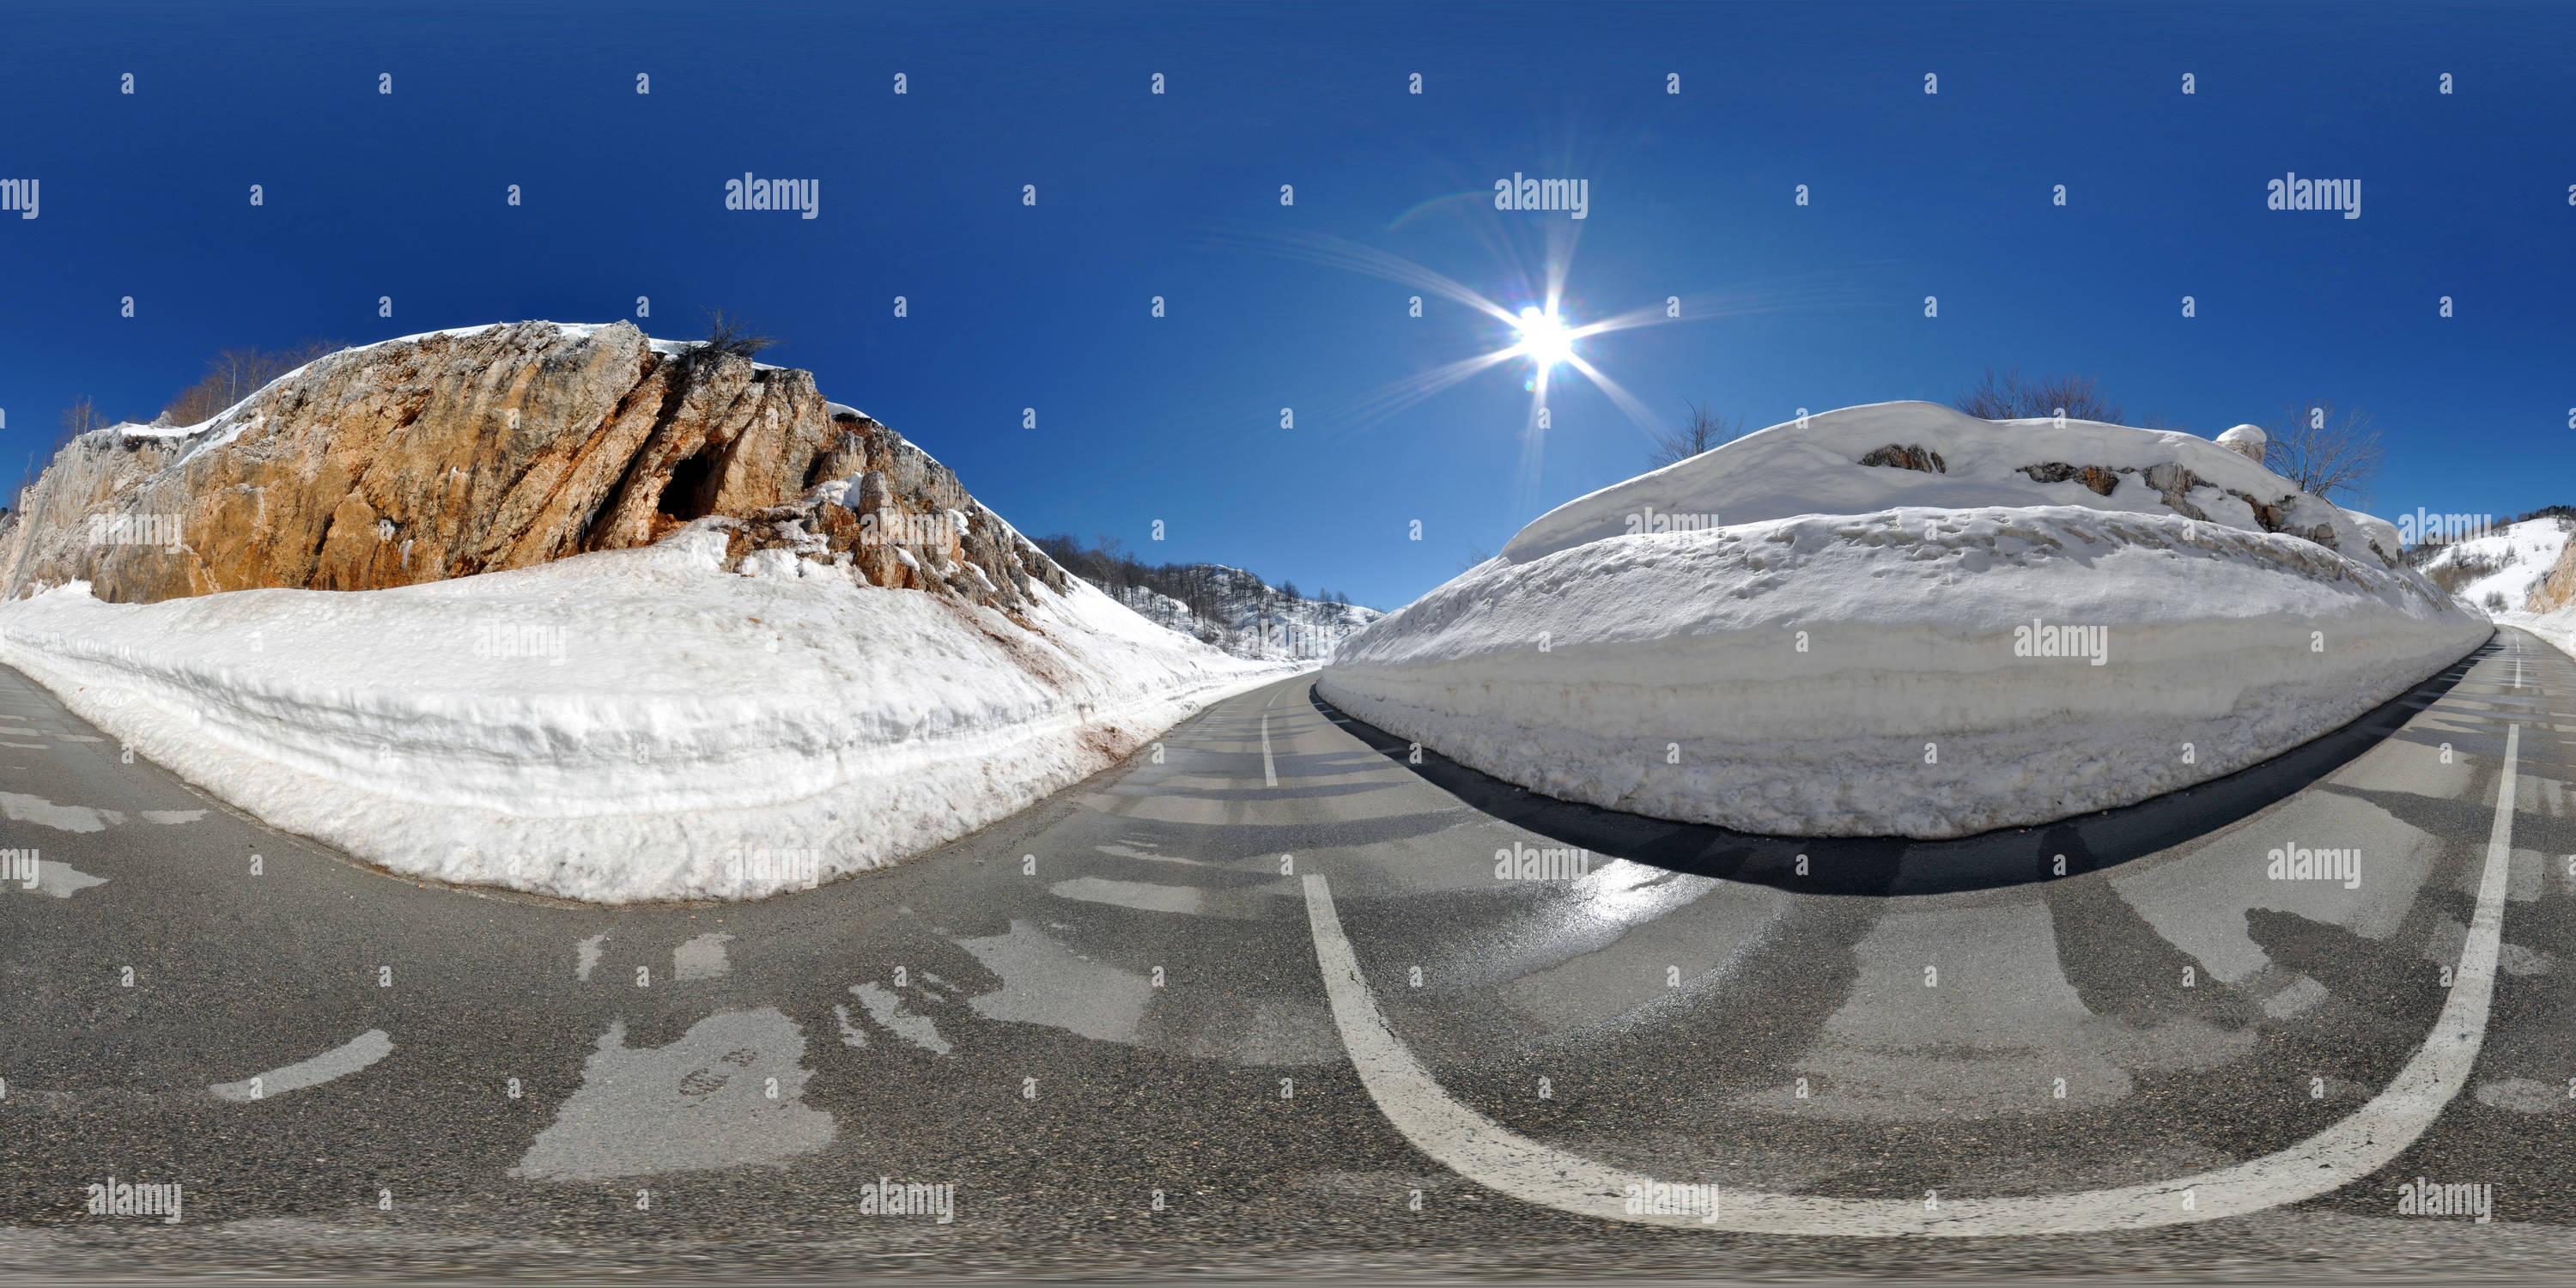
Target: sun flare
{"x":1544,"y":337}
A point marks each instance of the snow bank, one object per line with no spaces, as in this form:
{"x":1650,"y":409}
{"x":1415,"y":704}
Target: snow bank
{"x":626,"y":726}
{"x":1840,"y":649}
{"x":2558,"y":628}
{"x":1814,"y":468}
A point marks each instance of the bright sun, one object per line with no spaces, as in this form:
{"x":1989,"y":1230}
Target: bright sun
{"x":1544,"y":338}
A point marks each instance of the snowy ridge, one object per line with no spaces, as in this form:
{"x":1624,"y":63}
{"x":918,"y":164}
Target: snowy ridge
{"x":1898,"y":668}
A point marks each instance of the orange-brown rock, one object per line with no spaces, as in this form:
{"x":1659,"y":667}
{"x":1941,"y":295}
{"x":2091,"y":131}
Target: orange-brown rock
{"x":460,"y":453}
{"x":2557,"y":590}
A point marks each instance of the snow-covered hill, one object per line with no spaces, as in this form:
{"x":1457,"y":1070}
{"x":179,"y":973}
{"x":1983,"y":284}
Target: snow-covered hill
{"x":1898,"y":619}
{"x":2498,"y":571}
{"x":1247,"y":617}
{"x":779,"y":688}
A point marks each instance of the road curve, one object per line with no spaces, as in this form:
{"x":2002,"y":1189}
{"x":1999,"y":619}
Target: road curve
{"x":1104,"y":1027}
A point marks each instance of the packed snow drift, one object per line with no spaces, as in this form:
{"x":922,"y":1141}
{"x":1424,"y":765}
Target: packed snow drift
{"x":1901,"y":620}
{"x":624,"y":726}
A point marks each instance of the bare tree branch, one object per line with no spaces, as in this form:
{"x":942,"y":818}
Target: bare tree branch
{"x":729,"y":333}
{"x":2009,"y":397}
{"x":235,"y":374}
{"x":81,"y":417}
{"x":2323,"y":450}
{"x":1704,"y":430}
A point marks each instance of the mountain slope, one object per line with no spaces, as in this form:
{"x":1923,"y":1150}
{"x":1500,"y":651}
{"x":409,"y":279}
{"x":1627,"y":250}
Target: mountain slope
{"x":2500,"y":572}
{"x":1248,"y":618}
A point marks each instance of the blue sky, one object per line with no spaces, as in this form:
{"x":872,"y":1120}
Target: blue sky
{"x":1012,"y":306}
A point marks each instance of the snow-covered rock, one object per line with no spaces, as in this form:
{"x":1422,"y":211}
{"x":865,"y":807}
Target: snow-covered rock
{"x":1897,"y":619}
{"x":1926,"y":455}
{"x":480,"y":449}
{"x":573,"y":611}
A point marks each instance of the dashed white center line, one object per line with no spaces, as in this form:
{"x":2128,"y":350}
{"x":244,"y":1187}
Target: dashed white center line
{"x":1269,"y":767}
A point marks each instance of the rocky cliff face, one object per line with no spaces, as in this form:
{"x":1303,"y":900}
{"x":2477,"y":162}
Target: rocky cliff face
{"x":464,"y":452}
{"x":2558,"y":589}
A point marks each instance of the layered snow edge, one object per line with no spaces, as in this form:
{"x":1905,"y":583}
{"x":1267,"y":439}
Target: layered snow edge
{"x":1925,"y":671}
{"x":628,"y":726}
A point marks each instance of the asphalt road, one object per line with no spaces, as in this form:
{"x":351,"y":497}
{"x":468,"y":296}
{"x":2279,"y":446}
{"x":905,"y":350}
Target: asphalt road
{"x":1132,"y":1033}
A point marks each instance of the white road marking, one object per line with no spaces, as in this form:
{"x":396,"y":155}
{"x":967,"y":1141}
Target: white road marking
{"x":1485,"y":1152}
{"x":589,"y":957}
{"x":1269,"y":768}
{"x":349,"y":1057}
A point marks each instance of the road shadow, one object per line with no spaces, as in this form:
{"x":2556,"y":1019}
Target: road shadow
{"x":1896,"y":865}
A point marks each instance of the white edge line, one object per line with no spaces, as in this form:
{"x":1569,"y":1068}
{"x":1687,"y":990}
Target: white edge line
{"x":1485,"y":1152}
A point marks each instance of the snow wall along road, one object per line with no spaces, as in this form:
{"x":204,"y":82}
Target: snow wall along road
{"x":1897,"y":619}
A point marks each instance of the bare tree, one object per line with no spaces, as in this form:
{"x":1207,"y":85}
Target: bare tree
{"x":2323,"y":450}
{"x":81,"y":417}
{"x":729,"y":333}
{"x":2009,"y":397}
{"x":235,"y":374}
{"x":1704,"y":430}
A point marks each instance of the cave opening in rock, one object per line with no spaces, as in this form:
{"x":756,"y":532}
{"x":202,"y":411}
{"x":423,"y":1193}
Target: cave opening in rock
{"x":685,"y":496}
